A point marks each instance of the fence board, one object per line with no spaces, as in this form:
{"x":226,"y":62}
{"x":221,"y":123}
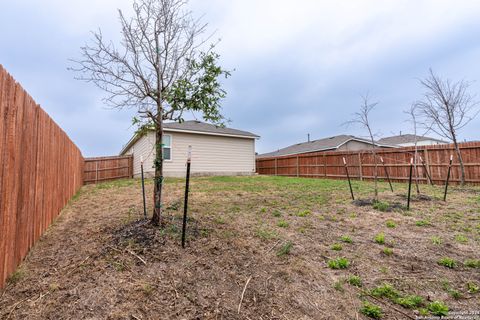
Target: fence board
{"x":361,"y":164}
{"x":40,"y":170}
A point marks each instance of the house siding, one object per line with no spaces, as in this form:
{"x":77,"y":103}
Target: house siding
{"x":211,"y":155}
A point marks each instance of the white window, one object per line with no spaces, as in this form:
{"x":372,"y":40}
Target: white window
{"x":167,"y":147}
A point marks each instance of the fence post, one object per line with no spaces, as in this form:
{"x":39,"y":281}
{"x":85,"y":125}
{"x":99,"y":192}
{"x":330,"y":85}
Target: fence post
{"x":275,"y":166}
{"x":96,"y":172}
{"x":325,"y":165}
{"x":360,"y":166}
{"x":427,"y":165}
{"x":298,"y":173}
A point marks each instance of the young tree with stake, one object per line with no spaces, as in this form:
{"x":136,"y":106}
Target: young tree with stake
{"x":446,"y":108}
{"x":362,"y":118}
{"x":160,"y":69}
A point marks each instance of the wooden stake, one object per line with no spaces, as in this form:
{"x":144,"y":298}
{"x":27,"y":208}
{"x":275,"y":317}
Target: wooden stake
{"x":410,"y":184}
{"x":386,"y":173}
{"x":143,"y":189}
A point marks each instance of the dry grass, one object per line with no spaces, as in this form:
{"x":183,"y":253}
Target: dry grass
{"x":261,"y":241}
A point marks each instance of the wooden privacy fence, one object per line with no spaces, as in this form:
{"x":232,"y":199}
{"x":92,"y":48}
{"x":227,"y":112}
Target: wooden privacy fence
{"x":361,"y":164}
{"x":40,"y":170}
{"x":108,"y":168}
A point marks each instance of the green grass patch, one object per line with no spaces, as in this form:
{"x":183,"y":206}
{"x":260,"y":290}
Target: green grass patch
{"x":438,"y":308}
{"x":337,"y":247}
{"x":390,"y":224}
{"x":422,"y":223}
{"x":282,"y":224}
{"x":276,"y":213}
{"x":380,"y":238}
{"x":339,"y":263}
{"x":285,"y":249}
{"x":304,"y":213}
{"x":371,"y":310}
{"x":460,"y":238}
{"x":410,"y":301}
{"x":381,"y":206}
{"x":472,"y":263}
{"x":436,"y":240}
{"x":385,"y":290}
{"x":346,"y":239}
{"x":266,"y":234}
{"x":447,"y":262}
{"x":355,"y":281}
{"x":387,"y":251}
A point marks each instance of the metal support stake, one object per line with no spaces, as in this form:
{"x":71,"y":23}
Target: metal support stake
{"x":386,"y":173}
{"x":185,"y":204}
{"x":448,"y":178}
{"x":348,"y":177}
{"x":410,"y":184}
{"x":143,"y":189}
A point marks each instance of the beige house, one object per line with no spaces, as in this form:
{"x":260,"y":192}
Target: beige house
{"x":215,"y":150}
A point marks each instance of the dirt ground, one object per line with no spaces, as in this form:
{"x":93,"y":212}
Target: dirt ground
{"x":257,"y":248}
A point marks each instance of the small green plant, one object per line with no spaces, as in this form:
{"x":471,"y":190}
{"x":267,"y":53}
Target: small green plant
{"x":285,"y":249}
{"x":455,"y":294}
{"x":386,"y":290}
{"x":438,"y":308}
{"x":17,"y":275}
{"x":410,"y":302}
{"x":266,"y":234}
{"x":219,"y":220}
{"x":380,"y":238}
{"x":304,"y":213}
{"x":447,"y":262}
{"x":276,"y":213}
{"x":387,"y":251}
{"x":472,"y":287}
{"x":338,"y":285}
{"x":460,"y":238}
{"x":355,"y":281}
{"x":472,"y":263}
{"x":346,"y":239}
{"x":436,"y":240}
{"x":381,"y":206}
{"x":339,"y":263}
{"x":371,"y":310}
{"x":263,"y":210}
{"x":282,"y":224}
{"x":337,"y":247}
{"x":422,"y":223}
{"x":390,"y":224}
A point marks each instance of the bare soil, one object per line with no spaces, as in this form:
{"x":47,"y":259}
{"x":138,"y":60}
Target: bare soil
{"x":257,"y":248}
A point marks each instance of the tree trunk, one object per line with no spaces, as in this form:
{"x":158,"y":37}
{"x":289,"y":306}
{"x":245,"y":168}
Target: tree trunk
{"x":460,"y":160}
{"x":158,"y":164}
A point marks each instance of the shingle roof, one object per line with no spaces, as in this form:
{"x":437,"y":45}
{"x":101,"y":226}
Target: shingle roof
{"x":198,"y":126}
{"x":406,"y":138}
{"x":315,"y":145}
{"x":195,"y":126}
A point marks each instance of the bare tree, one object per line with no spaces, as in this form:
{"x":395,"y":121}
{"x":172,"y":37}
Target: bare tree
{"x":158,"y":68}
{"x":362,"y":118}
{"x":446,"y":108}
{"x":413,"y":115}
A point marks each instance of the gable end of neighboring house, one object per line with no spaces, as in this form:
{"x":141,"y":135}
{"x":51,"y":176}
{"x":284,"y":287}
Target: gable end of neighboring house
{"x":212,"y":153}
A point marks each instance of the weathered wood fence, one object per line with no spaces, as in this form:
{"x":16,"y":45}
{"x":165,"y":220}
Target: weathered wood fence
{"x":102,"y":169}
{"x":40,"y":170}
{"x":361,"y":164}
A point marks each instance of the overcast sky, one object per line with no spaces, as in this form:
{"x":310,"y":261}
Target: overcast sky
{"x":300,"y":66}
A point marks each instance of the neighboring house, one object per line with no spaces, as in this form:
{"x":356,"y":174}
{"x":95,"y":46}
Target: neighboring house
{"x":408,"y":140}
{"x":336,"y":143}
{"x":215,"y":150}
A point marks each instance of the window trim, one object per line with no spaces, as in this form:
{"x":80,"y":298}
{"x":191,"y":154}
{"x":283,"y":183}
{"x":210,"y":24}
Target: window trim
{"x":169,"y":147}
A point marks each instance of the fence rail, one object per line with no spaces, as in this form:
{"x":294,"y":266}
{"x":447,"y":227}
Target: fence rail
{"x":102,"y":169}
{"x":40,"y":170}
{"x":361,"y":164}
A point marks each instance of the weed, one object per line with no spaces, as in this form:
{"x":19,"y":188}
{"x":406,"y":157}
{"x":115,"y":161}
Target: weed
{"x":282,"y":224}
{"x":276,"y":213}
{"x":472,"y":263}
{"x":410,"y":302}
{"x":381,"y":206}
{"x":355,"y":281}
{"x":17,"y":275}
{"x":455,"y":294}
{"x":390,"y":224}
{"x":219,"y":220}
{"x":436,"y":240}
{"x":371,"y":310}
{"x":147,"y":289}
{"x":346,"y":239}
{"x":447,"y":262}
{"x":422,"y":223}
{"x":386,"y":290}
{"x":266,"y":234}
{"x":285,"y":249}
{"x":472,"y":287}
{"x":460,"y":238}
{"x":263,"y":210}
{"x":380,"y":238}
{"x":304,"y":213}
{"x":338,"y":285}
{"x":337,"y":247}
{"x":339,"y":263}
{"x":387,"y":251}
{"x":438,"y":308}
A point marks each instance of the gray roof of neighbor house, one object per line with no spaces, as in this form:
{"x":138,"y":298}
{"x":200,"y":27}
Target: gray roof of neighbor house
{"x":198,"y":127}
{"x":325,"y":144}
{"x":407,"y":138}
